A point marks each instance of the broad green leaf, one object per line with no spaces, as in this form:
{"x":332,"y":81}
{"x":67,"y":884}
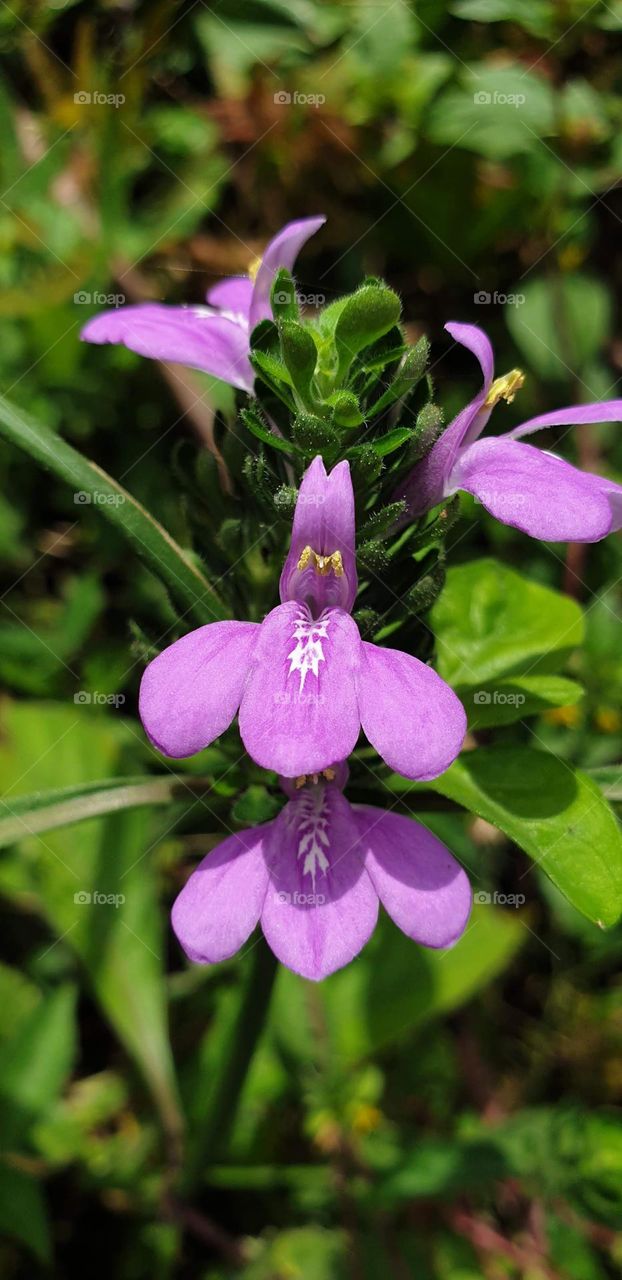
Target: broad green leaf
{"x":23,"y":1212}
{"x":95,"y":880}
{"x":555,"y":813}
{"x":585,"y":304}
{"x":394,"y":987}
{"x":35,"y":1063}
{"x":92,"y":486}
{"x":609,"y":778}
{"x":497,"y":112}
{"x":491,"y":623}
{"x":506,"y":701}
{"x":27,"y":815}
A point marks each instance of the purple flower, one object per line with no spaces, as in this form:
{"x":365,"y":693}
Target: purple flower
{"x":213,"y":338}
{"x":303,"y":679}
{"x":522,"y":486}
{"x":313,"y":877}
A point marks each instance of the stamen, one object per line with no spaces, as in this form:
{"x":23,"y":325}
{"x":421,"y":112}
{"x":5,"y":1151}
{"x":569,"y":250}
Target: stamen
{"x":329,"y":774}
{"x":322,"y":564}
{"x":505,"y":388}
{"x":253,"y":269}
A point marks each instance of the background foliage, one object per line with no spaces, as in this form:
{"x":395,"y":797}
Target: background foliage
{"x":442,"y":1115}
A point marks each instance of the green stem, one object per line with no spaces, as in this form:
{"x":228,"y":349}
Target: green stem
{"x":237,"y":1057}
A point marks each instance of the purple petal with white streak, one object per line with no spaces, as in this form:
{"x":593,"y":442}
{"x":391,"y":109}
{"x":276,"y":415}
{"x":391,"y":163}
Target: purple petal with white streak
{"x":320,"y":907}
{"x":299,"y":710}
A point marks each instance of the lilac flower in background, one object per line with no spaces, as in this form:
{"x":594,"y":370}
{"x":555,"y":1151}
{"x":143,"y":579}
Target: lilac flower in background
{"x":213,"y":338}
{"x":528,"y":488}
{"x":314,"y":877}
{"x":303,"y":680}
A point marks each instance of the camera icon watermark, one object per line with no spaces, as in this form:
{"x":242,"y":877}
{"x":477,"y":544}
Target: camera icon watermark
{"x":497,"y":698}
{"x":284,"y":298}
{"x":496,"y":99}
{"x":285,"y":99}
{"x":90,"y":698}
{"x":83,"y":298}
{"x":85,"y":98}
{"x":84,"y":898}
{"x":484,"y":299}
{"x":82,"y":498}
{"x":300,"y":899}
{"x":482,"y":898}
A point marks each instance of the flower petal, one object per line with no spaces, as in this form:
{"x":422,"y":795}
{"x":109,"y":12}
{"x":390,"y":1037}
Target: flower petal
{"x":427,"y":483}
{"x":232,"y":295}
{"x":193,"y":336}
{"x":412,"y":718}
{"x":282,"y":251}
{"x":536,"y":492}
{"x":299,"y":710}
{"x":419,"y":882}
{"x":221,"y":903}
{"x":324,"y":521}
{"x":190,"y":693}
{"x":601,"y":411}
{"x":317,"y":920}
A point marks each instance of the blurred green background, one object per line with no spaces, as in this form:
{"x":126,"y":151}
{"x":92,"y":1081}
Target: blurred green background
{"x":433,"y":1115}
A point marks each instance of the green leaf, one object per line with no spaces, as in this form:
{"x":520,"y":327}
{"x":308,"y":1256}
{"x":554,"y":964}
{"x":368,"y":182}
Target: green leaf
{"x":368,"y":314}
{"x":507,"y":701}
{"x":255,"y":806}
{"x":257,"y":428}
{"x":27,"y":815}
{"x":555,"y":813}
{"x":96,"y":881}
{"x":554,"y":350}
{"x":300,"y":356}
{"x":35,"y":1063}
{"x":497,"y":112}
{"x":492,"y":623}
{"x":283,"y":296}
{"x":412,"y":368}
{"x":23,"y":1212}
{"x":394,"y":987}
{"x":393,"y":440}
{"x":91,"y":485}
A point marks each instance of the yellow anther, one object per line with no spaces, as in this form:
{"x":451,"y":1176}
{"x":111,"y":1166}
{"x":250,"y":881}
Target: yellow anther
{"x":253,"y":269}
{"x":314,"y":778}
{"x":505,"y":388}
{"x":322,"y":564}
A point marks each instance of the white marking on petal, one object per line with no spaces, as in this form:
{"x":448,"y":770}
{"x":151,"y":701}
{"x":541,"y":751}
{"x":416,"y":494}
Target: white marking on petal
{"x":310,"y":815}
{"x":307,"y":652}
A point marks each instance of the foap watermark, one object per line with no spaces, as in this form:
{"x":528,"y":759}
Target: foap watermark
{"x":485,"y":899}
{"x":94,"y":898}
{"x":496,"y":99}
{"x":95,"y":98}
{"x":85,"y":299}
{"x":284,"y":298}
{"x":484,"y":299}
{"x":285,"y":99}
{"x":497,"y":698}
{"x":301,"y":699}
{"x":92,"y":698}
{"x":300,"y":899}
{"x":504,"y":504}
{"x":83,"y":499}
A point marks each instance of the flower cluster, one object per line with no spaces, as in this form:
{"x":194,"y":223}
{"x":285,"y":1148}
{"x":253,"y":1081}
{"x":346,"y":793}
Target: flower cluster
{"x":303,"y":682}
